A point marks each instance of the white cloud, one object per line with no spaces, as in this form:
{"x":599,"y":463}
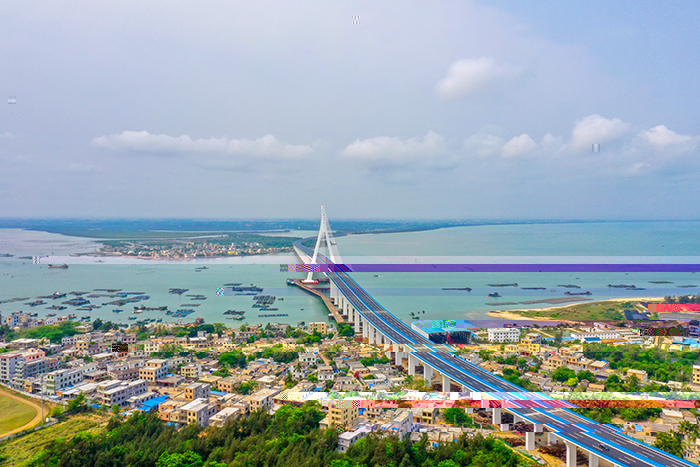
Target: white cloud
{"x":484,"y":143}
{"x":7,"y":134}
{"x":267,"y":147}
{"x":470,"y":75}
{"x":661,"y":137}
{"x":597,"y":129}
{"x":519,"y":146}
{"x":392,"y":151}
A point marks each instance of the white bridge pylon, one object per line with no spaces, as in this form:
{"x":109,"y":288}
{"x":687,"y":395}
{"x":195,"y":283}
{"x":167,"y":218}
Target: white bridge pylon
{"x":324,"y":233}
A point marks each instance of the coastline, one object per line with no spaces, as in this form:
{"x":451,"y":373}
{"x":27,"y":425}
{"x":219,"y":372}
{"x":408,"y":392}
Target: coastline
{"x":513,"y":314}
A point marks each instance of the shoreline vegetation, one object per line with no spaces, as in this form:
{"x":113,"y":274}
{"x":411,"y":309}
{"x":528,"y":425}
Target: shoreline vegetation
{"x":599,"y":310}
{"x":169,"y":228}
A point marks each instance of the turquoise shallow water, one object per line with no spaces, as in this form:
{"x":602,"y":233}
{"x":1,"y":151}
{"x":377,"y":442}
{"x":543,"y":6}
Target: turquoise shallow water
{"x":400,"y":293}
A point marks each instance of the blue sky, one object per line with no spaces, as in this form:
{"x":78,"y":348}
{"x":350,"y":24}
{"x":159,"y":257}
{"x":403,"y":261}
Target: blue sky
{"x":423,"y":110}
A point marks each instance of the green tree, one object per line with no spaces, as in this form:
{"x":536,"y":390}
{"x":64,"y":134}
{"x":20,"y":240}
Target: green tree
{"x":97,"y":324}
{"x":456,"y":417}
{"x":115,"y":409}
{"x":670,"y":442}
{"x":186,"y":459}
{"x":220,"y":328}
{"x":78,"y":404}
{"x":562,"y":374}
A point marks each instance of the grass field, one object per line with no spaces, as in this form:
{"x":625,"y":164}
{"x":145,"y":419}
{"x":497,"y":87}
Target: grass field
{"x":20,"y":450}
{"x":594,"y":311}
{"x":14,"y":414}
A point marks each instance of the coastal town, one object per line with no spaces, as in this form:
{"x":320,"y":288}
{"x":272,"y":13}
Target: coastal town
{"x":211,"y":246}
{"x":207,"y":374}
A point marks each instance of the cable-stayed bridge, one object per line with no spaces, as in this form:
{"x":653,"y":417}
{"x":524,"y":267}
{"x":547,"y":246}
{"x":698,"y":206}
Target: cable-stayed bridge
{"x":604,"y":444}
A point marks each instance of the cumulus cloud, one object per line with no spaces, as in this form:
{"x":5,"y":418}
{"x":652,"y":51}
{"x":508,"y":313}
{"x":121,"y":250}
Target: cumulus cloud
{"x":597,"y":129}
{"x":471,"y":75}
{"x":661,"y":137}
{"x":267,"y":147}
{"x":519,"y":146}
{"x":392,"y":151}
{"x":484,"y":143}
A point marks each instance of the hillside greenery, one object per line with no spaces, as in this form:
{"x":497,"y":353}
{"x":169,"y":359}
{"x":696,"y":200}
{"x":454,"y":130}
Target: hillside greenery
{"x":292,"y":438}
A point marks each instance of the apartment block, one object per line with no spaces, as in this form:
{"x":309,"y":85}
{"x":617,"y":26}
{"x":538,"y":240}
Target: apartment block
{"x":320,"y":327}
{"x":191,"y":370}
{"x":504,"y":335}
{"x":154,"y":370}
{"x":197,"y":391}
{"x":28,"y":369}
{"x":61,"y":379}
{"x":119,"y":392}
{"x":342,"y":415}
{"x":198,"y":411}
{"x":8,"y":365}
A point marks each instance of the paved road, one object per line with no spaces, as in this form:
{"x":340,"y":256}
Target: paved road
{"x":591,"y":436}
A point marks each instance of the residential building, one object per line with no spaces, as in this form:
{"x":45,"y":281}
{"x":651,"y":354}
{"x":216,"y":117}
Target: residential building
{"x":308,"y":357}
{"x":532,"y":342}
{"x":219,"y":419}
{"x":262,"y":399}
{"x":198,"y":411}
{"x":191,"y":370}
{"x":154,"y":370}
{"x":640,"y":374}
{"x":320,"y":327}
{"x":197,"y":391}
{"x":119,"y":392}
{"x":61,"y":379}
{"x":342,"y":414}
{"x":28,"y":369}
{"x":8,"y":365}
{"x":504,"y":334}
{"x":347,"y":439}
{"x":228,"y":384}
{"x":425,"y":415}
{"x":696,"y":374}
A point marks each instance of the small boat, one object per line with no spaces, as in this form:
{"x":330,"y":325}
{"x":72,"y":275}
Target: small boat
{"x":494,"y":295}
{"x":132,"y":317}
{"x":58,"y":266}
{"x":514,"y":284}
{"x":51,"y":315}
{"x":577,"y":293}
{"x":117,"y":311}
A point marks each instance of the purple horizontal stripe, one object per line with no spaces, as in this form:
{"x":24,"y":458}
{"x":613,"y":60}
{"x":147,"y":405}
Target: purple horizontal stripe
{"x":510,"y":268}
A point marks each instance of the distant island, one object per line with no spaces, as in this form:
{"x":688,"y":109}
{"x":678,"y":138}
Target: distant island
{"x":193,"y":247}
{"x":126,"y":228}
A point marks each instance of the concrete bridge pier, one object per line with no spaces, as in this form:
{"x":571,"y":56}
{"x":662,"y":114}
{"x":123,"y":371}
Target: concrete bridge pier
{"x":365,"y":328}
{"x":356,"y":324}
{"x":570,"y":454}
{"x":446,"y":383}
{"x":427,"y":373}
{"x":412,"y":362}
{"x":551,"y":438}
{"x":530,"y":440}
{"x":496,"y":415}
{"x":592,"y":460}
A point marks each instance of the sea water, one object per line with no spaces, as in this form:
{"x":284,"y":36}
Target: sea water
{"x":400,"y":293}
